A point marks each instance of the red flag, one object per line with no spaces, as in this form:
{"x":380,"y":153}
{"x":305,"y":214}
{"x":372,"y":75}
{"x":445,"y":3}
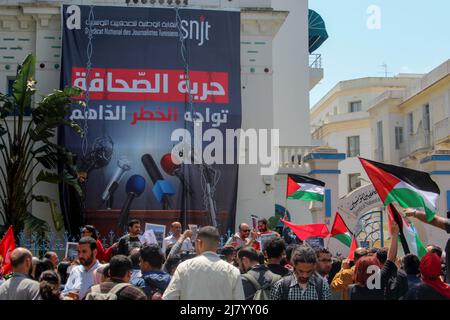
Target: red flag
{"x":354,"y":245}
{"x":308,"y":230}
{"x":7,"y":245}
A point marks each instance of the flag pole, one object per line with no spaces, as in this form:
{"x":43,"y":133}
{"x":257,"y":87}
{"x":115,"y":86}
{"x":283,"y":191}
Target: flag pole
{"x":286,"y":197}
{"x":328,"y":242}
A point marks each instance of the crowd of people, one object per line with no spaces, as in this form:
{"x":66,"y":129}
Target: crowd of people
{"x":282,"y":268}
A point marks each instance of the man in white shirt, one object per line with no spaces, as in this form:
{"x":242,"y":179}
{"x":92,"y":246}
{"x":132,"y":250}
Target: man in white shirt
{"x":207,"y":276}
{"x":81,"y":278}
{"x":175,"y":230}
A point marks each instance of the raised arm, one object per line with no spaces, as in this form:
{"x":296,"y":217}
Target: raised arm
{"x":437,"y":221}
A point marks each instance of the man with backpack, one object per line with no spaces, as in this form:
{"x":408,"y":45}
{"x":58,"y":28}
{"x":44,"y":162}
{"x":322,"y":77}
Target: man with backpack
{"x":257,"y":279}
{"x":304,"y":284}
{"x":118,"y":287}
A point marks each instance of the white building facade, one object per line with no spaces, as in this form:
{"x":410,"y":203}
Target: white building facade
{"x":401,"y":120}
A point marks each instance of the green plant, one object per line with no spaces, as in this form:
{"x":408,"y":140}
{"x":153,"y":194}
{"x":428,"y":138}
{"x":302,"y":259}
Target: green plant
{"x":26,"y":146}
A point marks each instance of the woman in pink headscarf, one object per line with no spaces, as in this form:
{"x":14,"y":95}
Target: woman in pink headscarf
{"x":431,"y":287}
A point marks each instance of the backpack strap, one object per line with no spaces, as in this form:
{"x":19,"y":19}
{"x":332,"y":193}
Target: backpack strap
{"x":254,"y":283}
{"x":318,"y":284}
{"x":252,"y":280}
{"x":118,"y":287}
{"x":96,"y":289}
{"x":285,"y":287}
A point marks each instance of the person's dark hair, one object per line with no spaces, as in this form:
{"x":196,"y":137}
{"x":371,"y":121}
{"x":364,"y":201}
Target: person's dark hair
{"x":227,"y":251}
{"x":336,"y":265}
{"x":320,"y":251}
{"x":92,"y":230}
{"x":119,"y":265}
{"x":435,"y":249}
{"x":90,"y":241}
{"x":132,"y":222}
{"x":208,"y":233}
{"x":289,"y":249}
{"x":261,"y":258}
{"x":62,"y":271}
{"x":303,"y":254}
{"x":263,"y":220}
{"x":382,"y":254}
{"x":274,"y":248}
{"x":173,"y":262}
{"x":135,"y":254}
{"x":41,"y":266}
{"x":18,"y":259}
{"x":410,"y":264}
{"x":372,"y":251}
{"x":49,"y":286}
{"x":49,"y":254}
{"x":105,"y":271}
{"x":249,"y":253}
{"x":152,"y":255}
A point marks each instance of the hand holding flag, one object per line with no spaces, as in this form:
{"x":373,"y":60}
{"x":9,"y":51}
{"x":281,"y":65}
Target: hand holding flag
{"x":409,"y":188}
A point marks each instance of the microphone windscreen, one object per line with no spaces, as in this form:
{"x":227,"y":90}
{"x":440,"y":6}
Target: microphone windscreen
{"x":168,"y":165}
{"x":151,"y":168}
{"x":135,"y":184}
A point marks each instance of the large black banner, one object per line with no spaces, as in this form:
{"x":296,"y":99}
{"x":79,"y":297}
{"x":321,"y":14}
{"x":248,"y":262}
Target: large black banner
{"x":132,"y":64}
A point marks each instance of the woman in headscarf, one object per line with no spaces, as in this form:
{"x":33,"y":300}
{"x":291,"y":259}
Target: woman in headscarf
{"x":431,"y":287}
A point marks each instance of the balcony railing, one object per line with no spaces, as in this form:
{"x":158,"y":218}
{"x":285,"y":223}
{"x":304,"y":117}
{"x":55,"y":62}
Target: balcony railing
{"x":441,"y":130}
{"x":315,"y":61}
{"x":292,"y":157}
{"x":414,"y":143}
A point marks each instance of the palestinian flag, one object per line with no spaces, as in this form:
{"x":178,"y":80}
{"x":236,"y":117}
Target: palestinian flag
{"x":353,"y":247}
{"x":7,"y":246}
{"x":306,"y":231}
{"x":409,"y":237}
{"x":409,"y":188}
{"x":340,"y":231}
{"x":304,"y":188}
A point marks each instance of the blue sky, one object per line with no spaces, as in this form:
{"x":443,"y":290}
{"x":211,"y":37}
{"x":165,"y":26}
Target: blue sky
{"x":414,"y":38}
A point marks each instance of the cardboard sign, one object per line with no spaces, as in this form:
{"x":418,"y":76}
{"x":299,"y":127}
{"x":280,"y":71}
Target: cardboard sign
{"x":159,"y":232}
{"x":194,"y":229}
{"x":71,"y":251}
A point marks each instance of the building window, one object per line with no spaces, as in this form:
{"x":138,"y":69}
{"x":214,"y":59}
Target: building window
{"x":355,"y":106}
{"x":354,"y":181}
{"x":398,"y":137}
{"x":353,"y":146}
{"x":380,"y":152}
{"x":410,"y":123}
{"x":426,"y":118}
